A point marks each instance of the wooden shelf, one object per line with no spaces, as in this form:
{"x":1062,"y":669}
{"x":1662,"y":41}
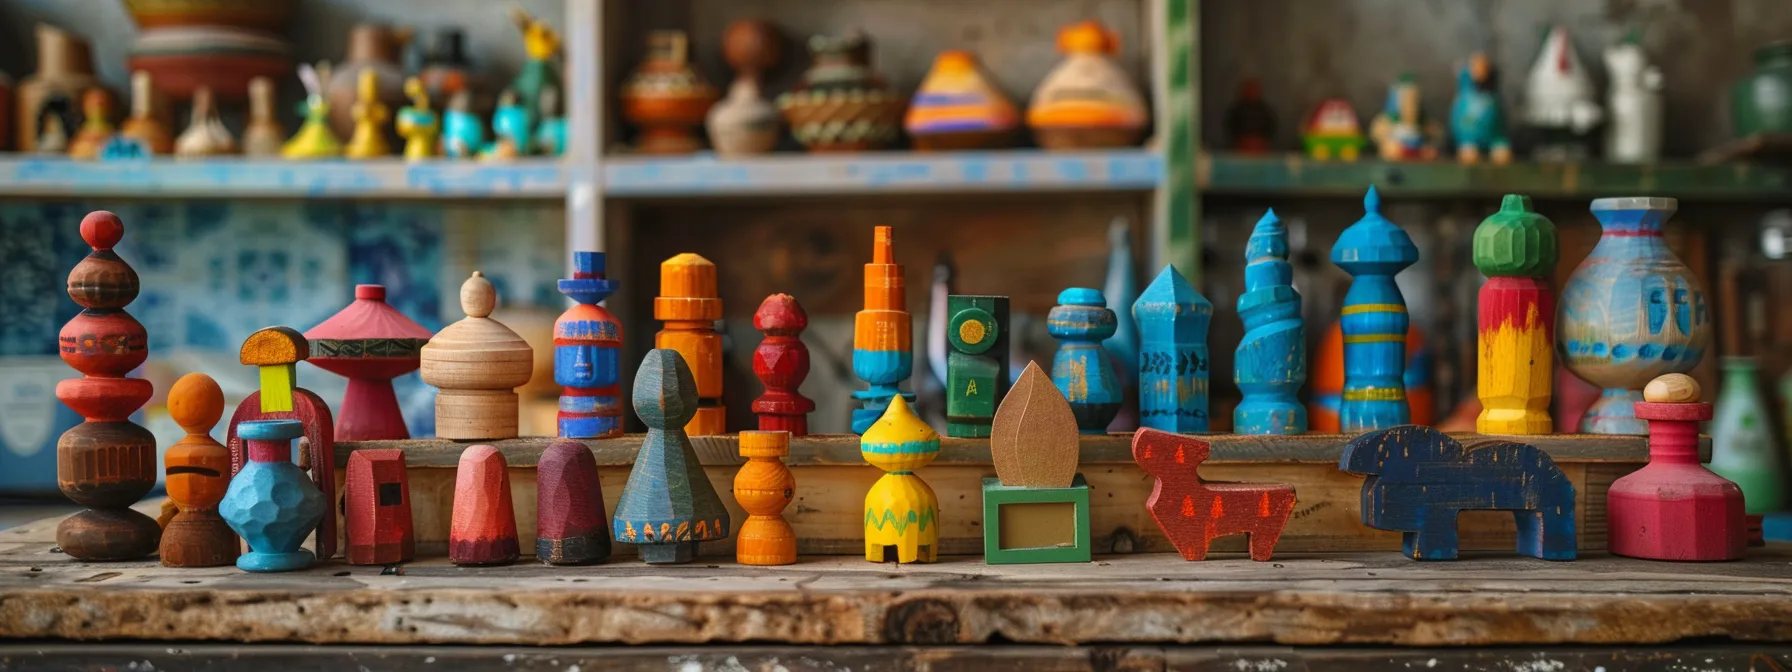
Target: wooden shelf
{"x":1295,"y":175}
{"x":789,"y":174}
{"x":243,"y":178}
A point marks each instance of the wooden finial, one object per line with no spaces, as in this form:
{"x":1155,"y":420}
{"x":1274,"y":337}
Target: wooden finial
{"x":477,"y":297}
{"x":476,"y":364}
{"x":689,"y":305}
{"x":1034,"y":437}
{"x":1673,"y":388}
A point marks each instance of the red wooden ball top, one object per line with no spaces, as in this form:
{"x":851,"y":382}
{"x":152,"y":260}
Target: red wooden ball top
{"x":101,"y":229}
{"x":780,"y":313}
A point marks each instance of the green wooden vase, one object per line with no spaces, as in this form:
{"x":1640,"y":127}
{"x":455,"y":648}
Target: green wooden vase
{"x":1743,"y":446}
{"x":1761,"y":102}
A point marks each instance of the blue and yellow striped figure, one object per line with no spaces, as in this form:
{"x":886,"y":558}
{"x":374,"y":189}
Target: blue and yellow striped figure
{"x":901,"y":511}
{"x":1082,"y":369}
{"x":1373,"y":251}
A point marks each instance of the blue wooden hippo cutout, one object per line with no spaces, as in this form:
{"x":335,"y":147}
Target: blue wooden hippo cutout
{"x":1420,"y":478}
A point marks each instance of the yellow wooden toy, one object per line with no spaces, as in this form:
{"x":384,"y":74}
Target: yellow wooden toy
{"x":419,"y":125}
{"x":369,"y":139}
{"x":901,"y":511}
{"x":314,"y":139}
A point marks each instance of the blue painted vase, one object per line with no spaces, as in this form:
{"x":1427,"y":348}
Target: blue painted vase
{"x":1173,"y":319}
{"x":1631,"y":312}
{"x":1374,"y":319}
{"x":1271,"y":361}
{"x":271,"y":503}
{"x":1081,"y":369}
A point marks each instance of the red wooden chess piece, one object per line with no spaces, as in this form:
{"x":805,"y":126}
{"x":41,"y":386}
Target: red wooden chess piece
{"x":782,"y":362}
{"x":369,"y":343}
{"x":1674,"y":508}
{"x":483,"y":531}
{"x":378,"y":511}
{"x":571,"y":528}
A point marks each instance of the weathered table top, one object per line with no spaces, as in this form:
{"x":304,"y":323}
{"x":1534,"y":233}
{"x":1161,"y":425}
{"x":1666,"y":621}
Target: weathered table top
{"x":1358,"y":598}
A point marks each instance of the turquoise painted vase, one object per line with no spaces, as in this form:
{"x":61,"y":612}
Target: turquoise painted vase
{"x":1631,"y":311}
{"x":1082,"y":369}
{"x":1761,"y":102}
{"x":271,"y":503}
{"x":1743,"y":447}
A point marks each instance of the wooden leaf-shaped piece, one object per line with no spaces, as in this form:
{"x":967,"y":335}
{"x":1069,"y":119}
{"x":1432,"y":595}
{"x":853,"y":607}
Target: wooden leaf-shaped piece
{"x":1034,"y":436}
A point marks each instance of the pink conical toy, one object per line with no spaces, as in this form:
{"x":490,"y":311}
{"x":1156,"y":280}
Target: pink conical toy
{"x":1674,"y":508}
{"x":369,"y":343}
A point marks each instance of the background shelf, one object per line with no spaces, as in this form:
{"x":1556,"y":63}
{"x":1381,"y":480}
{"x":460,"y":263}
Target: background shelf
{"x":885,"y":172}
{"x":226,"y":178}
{"x":1293,"y":175}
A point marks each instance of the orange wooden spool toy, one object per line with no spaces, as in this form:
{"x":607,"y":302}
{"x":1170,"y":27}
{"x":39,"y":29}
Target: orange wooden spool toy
{"x":764,"y":486}
{"x":198,"y":469}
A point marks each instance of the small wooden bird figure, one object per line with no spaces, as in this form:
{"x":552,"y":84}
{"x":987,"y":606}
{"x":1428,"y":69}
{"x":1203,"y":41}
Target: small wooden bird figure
{"x":418,"y":124}
{"x":369,"y":139}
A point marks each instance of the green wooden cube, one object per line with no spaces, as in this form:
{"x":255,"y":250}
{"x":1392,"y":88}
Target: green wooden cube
{"x":1029,"y":525}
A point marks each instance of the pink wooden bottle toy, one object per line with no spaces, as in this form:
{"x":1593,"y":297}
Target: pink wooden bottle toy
{"x":1674,"y":508}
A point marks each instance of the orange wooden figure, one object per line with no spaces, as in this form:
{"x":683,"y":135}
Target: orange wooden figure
{"x":483,"y":531}
{"x":378,"y":511}
{"x":689,"y":306}
{"x":763,"y":487}
{"x":1192,"y":513}
{"x":198,"y":474}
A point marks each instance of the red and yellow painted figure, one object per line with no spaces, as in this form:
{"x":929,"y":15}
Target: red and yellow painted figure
{"x":882,"y":349}
{"x":1516,"y":249}
{"x":689,"y":306}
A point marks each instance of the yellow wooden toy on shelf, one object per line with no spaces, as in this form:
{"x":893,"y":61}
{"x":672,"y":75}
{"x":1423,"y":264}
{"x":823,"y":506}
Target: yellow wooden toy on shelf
{"x":314,"y":140}
{"x":419,"y":125}
{"x":369,"y":139}
{"x":901,"y":511}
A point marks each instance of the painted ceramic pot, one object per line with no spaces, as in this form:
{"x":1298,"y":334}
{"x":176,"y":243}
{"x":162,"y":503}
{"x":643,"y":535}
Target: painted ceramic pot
{"x":958,"y":108}
{"x":1761,"y":102}
{"x":370,"y":46}
{"x":269,"y":15}
{"x":1632,"y":311}
{"x":745,"y":122}
{"x":1088,"y":100}
{"x":182,"y":60}
{"x":841,"y":104}
{"x":64,"y":73}
{"x":271,"y":503}
{"x":666,"y":98}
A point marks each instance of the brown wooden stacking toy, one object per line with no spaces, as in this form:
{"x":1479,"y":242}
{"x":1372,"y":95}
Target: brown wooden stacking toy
{"x":198,"y":474}
{"x":106,"y":463}
{"x":689,"y":306}
{"x":477,"y":364}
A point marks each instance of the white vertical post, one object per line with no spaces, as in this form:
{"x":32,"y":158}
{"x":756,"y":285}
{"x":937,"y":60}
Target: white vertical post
{"x":583,"y":163}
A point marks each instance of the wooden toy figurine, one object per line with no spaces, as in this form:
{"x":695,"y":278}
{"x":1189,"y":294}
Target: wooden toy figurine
{"x":418,"y":124}
{"x":841,"y":103}
{"x":977,"y":366}
{"x":107,"y":462}
{"x":276,"y":352}
{"x":198,"y":476}
{"x":205,"y":134}
{"x":1516,"y":249}
{"x":96,"y":126}
{"x":463,"y":133}
{"x":763,"y":487}
{"x":369,"y":138}
{"x":314,"y":139}
{"x":1081,"y":369}
{"x":744,"y":122}
{"x":483,"y":530}
{"x":689,"y":306}
{"x":1036,"y":509}
{"x":901,"y":511}
{"x":1173,"y":320}
{"x":957,"y":108}
{"x":1250,"y":124}
{"x":588,"y":353}
{"x":369,"y":343}
{"x":782,"y":362}
{"x":271,"y":502}
{"x":1559,"y":103}
{"x":1333,"y":131}
{"x":263,"y":135}
{"x":1403,"y":132}
{"x":541,"y":43}
{"x":1631,"y":311}
{"x":665,"y":97}
{"x":378,"y":508}
{"x":1674,"y":508}
{"x":1372,"y":251}
{"x":1744,"y":445}
{"x":550,"y":130}
{"x":668,"y":506}
{"x":1477,"y":119}
{"x":150,"y":134}
{"x":477,"y":364}
{"x":513,"y":129}
{"x":571,"y":528}
{"x":882,"y":352}
{"x":1419,"y":479}
{"x":1634,"y":133}
{"x":1270,"y":364}
{"x":1193,"y":512}
{"x":1087,"y":101}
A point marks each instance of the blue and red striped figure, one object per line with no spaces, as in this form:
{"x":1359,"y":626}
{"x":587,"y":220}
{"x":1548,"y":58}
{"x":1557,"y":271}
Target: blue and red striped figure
{"x":587,"y":354}
{"x":1373,"y":251}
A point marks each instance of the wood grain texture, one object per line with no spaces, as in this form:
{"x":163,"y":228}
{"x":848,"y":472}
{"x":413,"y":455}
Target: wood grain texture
{"x":1033,"y":441}
{"x":1674,"y":508}
{"x":198,"y":474}
{"x":689,"y":306}
{"x":1420,"y":480}
{"x":377,"y":512}
{"x":902,"y":513}
{"x":781,"y":362}
{"x":882,"y":347}
{"x":763,"y":488}
{"x":1374,"y":319}
{"x":570,"y":525}
{"x":484,"y":530}
{"x":588,"y":354}
{"x":370,"y":343}
{"x":668,"y":506}
{"x":476,"y":364}
{"x":1193,"y":512}
{"x":1517,"y":249}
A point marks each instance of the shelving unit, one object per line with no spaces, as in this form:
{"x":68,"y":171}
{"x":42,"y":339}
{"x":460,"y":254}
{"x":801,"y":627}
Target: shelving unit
{"x":705,"y":175}
{"x":239,"y":178}
{"x":1294,"y":175}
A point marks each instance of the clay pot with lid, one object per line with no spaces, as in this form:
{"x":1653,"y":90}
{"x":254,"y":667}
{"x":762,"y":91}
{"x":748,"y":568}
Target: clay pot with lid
{"x":666,"y":98}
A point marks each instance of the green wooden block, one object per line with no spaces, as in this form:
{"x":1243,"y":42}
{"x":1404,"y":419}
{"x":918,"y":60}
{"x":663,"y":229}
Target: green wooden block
{"x":1031,"y":525}
{"x":977,"y":363}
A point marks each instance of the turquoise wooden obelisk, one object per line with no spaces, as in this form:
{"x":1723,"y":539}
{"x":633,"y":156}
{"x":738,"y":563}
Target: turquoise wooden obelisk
{"x":1081,"y":369}
{"x":1271,"y":361}
{"x":1373,"y":251}
{"x":1173,"y":320}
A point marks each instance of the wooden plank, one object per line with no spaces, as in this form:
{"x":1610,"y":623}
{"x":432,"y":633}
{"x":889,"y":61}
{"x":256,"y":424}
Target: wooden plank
{"x":253,"y":178}
{"x":706,"y":175}
{"x":1322,"y":599}
{"x":1292,"y":174}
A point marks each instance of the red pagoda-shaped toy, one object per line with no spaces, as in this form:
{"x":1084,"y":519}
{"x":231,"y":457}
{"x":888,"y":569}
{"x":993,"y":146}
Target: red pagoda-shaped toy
{"x":782,"y":362}
{"x":1674,"y":508}
{"x":369,"y":343}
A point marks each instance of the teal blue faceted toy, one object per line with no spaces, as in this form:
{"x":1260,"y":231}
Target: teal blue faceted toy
{"x":1082,"y":370}
{"x":1173,"y":320}
{"x":1373,"y":251}
{"x":271,"y":503}
{"x":1271,"y":360}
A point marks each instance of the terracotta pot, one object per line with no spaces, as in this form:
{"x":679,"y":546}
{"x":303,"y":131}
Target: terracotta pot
{"x":269,"y":15}
{"x":666,"y":98}
{"x":64,"y":70}
{"x":373,"y":46}
{"x":185,"y":59}
{"x":842,"y":105}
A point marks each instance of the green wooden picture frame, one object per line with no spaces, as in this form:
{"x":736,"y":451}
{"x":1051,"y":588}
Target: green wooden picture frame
{"x":996,"y":496}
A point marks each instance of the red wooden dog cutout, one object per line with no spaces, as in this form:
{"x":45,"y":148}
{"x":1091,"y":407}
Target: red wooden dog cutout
{"x":1193,"y":513}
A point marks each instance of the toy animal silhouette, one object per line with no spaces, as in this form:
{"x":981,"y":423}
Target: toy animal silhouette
{"x":1192,"y":513}
{"x":1419,"y":479}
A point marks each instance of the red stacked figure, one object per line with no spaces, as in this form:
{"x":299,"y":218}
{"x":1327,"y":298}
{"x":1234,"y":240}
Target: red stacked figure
{"x":108,"y":462}
{"x":1674,"y":508}
{"x":782,"y":362}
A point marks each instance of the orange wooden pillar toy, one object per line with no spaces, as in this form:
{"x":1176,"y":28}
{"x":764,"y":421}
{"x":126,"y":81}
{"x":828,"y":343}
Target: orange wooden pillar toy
{"x":689,"y":306}
{"x":198,"y":469}
{"x":763,"y":487}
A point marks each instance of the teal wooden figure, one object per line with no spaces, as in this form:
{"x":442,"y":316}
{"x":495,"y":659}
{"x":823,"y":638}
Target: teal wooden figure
{"x":1271,"y":361}
{"x":550,"y":133}
{"x":1082,"y":370}
{"x":1173,"y":320}
{"x":1373,"y":251}
{"x":271,"y":503}
{"x":977,"y":366}
{"x":1121,"y":287}
{"x":668,"y":505}
{"x":1477,"y":122}
{"x":513,"y":129}
{"x":463,"y":133}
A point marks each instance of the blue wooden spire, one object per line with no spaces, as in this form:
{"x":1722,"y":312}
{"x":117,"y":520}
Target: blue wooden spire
{"x":1173,"y":320}
{"x":1271,"y":363}
{"x":1373,"y":251}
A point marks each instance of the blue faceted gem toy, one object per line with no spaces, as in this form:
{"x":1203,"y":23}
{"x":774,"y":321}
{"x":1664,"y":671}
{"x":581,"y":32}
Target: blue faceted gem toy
{"x":271,"y":503}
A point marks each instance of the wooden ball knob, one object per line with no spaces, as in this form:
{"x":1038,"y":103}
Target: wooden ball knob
{"x":1673,"y":388}
{"x":196,"y":403}
{"x":101,"y":230}
{"x":477,"y":298}
{"x":751,"y":46}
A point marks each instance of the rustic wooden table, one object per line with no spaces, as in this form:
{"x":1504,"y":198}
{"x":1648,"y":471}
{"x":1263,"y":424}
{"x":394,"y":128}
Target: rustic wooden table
{"x":1144,"y":612}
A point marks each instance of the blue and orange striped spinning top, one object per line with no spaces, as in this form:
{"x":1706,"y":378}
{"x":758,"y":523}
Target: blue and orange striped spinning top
{"x":1373,"y":251}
